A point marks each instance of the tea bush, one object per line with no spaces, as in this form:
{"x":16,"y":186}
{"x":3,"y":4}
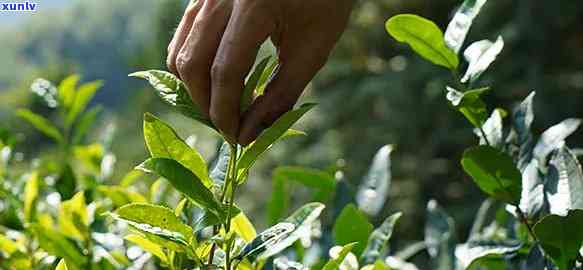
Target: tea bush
{"x":65,"y":211}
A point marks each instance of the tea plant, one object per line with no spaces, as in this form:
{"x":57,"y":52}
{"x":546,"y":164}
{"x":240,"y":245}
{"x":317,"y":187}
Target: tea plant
{"x":540,"y":181}
{"x":52,"y":212}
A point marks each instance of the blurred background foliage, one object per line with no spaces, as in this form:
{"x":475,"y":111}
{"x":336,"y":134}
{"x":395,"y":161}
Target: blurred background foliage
{"x":372,"y":92}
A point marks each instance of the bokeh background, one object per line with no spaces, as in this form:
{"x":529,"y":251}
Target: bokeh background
{"x":373,"y":91}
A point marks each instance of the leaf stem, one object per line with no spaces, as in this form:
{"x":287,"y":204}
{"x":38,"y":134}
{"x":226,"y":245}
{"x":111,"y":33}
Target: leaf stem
{"x":524,"y":221}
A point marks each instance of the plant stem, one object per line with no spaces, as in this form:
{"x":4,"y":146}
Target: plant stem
{"x":230,"y":181}
{"x":524,"y":221}
{"x":230,"y":203}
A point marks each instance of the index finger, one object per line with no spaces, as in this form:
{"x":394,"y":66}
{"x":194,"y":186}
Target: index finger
{"x":248,"y":28}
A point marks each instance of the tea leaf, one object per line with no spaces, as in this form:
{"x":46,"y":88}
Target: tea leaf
{"x":459,"y":26}
{"x":148,"y":246}
{"x":379,"y":239}
{"x":479,"y":56}
{"x":7,"y":245}
{"x":532,"y":197}
{"x":323,"y":184}
{"x":470,"y":104}
{"x":82,"y":97}
{"x":84,"y":124}
{"x":121,"y":196}
{"x":284,"y":234}
{"x":269,"y":136}
{"x":221,"y":164}
{"x":41,"y":124}
{"x":158,"y":224}
{"x":440,"y":236}
{"x":473,"y":254}
{"x":252,"y":83}
{"x":522,"y":119}
{"x":66,"y":90}
{"x":561,"y":237}
{"x":184,"y":181}
{"x":163,"y":142}
{"x":173,"y":92}
{"x":352,"y":226}
{"x":494,"y":172}
{"x":564,"y":183}
{"x":424,"y":37}
{"x":493,"y":130}
{"x":554,"y":138}
{"x":73,"y":217}
{"x":266,"y":241}
{"x":62,"y":265}
{"x":243,"y":227}
{"x":374,"y":188}
{"x":334,"y":264}
{"x":31,"y":192}
{"x":57,"y":244}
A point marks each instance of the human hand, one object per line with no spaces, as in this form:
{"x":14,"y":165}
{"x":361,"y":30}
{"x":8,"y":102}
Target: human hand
{"x":216,"y":44}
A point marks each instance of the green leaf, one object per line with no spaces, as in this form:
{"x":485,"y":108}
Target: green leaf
{"x":148,"y":246}
{"x":41,"y":124}
{"x":82,"y":97}
{"x":73,"y":217}
{"x":334,"y":264}
{"x":184,"y":181}
{"x":220,"y":166}
{"x":479,"y":56}
{"x":424,"y":37}
{"x":269,"y":136}
{"x":374,"y":188}
{"x":163,"y":142}
{"x":174,"y":93}
{"x":378,"y":265}
{"x":158,"y":224}
{"x":62,"y":265}
{"x":352,"y":226}
{"x":564,"y":183}
{"x":279,"y":201}
{"x":66,"y":90}
{"x":440,"y":236}
{"x":57,"y":244}
{"x":243,"y":227}
{"x":66,"y":182}
{"x":265,"y":241}
{"x":470,"y":104}
{"x":561,"y":237}
{"x":379,"y":239}
{"x":85,"y":123}
{"x":494,"y":172}
{"x":473,"y":254}
{"x":7,"y":245}
{"x":267,"y":74}
{"x":459,"y":26}
{"x":121,"y":196}
{"x":323,"y":184}
{"x":554,"y":138}
{"x":284,"y":234}
{"x":31,"y":192}
{"x":252,"y":83}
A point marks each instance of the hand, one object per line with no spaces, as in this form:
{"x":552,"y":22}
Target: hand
{"x":217,"y":41}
